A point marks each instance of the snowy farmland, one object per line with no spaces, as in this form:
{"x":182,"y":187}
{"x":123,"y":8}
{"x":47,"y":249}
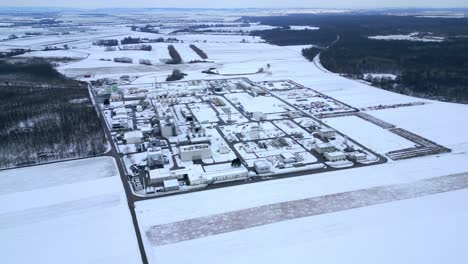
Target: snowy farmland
{"x":73,"y":211}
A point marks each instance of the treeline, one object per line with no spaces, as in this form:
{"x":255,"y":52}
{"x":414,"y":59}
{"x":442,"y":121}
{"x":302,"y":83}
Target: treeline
{"x":13,"y":52}
{"x":284,"y":36}
{"x":175,"y":76}
{"x":426,"y":69}
{"x":200,"y":52}
{"x":311,"y":52}
{"x":31,"y":71}
{"x":137,"y":47}
{"x":147,"y":28}
{"x":46,"y":120}
{"x":175,"y":56}
{"x":106,"y":42}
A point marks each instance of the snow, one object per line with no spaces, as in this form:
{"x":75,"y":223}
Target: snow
{"x":257,"y":104}
{"x":444,"y":123}
{"x":368,"y":134}
{"x":303,"y":28}
{"x":380,"y":76}
{"x":406,"y":231}
{"x":55,"y":174}
{"x":411,"y":37}
{"x":74,"y":211}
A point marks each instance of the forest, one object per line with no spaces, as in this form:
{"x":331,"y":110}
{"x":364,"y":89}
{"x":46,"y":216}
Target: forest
{"x":45,"y":117}
{"x":436,"y":70}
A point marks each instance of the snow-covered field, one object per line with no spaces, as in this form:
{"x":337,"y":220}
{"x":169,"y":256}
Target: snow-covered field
{"x":374,"y":137}
{"x":68,"y":212}
{"x":406,"y":231}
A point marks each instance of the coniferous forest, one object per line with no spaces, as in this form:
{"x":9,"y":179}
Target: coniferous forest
{"x":44,"y":116}
{"x":430,"y":69}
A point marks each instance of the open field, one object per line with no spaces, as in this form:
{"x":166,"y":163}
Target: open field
{"x":73,"y":211}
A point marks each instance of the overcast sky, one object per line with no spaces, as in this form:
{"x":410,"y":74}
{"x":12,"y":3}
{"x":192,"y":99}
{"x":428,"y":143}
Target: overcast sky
{"x":237,"y":3}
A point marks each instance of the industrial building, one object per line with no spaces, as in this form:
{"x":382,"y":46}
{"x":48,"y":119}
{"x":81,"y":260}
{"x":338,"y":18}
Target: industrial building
{"x":195,"y":152}
{"x":357,"y":156}
{"x":334,"y":156}
{"x":171,"y":185}
{"x":233,"y":174}
{"x":168,"y":128}
{"x":258,"y":116}
{"x":262,"y":166}
{"x":155,"y":157}
{"x":288,"y":157}
{"x":133,"y":137}
{"x":120,"y":123}
{"x":326,"y":133}
{"x":324,"y":147}
{"x":158,"y":176}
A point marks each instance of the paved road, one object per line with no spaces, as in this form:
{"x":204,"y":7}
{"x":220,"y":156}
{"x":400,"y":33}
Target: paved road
{"x":273,"y":213}
{"x":128,"y":192}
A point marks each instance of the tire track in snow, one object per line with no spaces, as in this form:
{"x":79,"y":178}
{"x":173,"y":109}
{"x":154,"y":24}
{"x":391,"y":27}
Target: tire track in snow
{"x":268,"y":214}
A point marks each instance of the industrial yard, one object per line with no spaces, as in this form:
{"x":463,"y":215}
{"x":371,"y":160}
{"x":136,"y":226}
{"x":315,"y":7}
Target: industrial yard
{"x":175,"y":137}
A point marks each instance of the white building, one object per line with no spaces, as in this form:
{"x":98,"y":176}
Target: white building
{"x":326,"y":133}
{"x":324,"y":147}
{"x":155,"y":157}
{"x":257,"y":90}
{"x":357,"y":156}
{"x":133,"y":137}
{"x":262,"y":166}
{"x":195,"y":152}
{"x":258,"y":116}
{"x":232,"y":174}
{"x":171,"y":185}
{"x":288,"y":157}
{"x":158,"y":176}
{"x":122,"y":111}
{"x":168,"y":128}
{"x":120,"y":123}
{"x":334,"y":156}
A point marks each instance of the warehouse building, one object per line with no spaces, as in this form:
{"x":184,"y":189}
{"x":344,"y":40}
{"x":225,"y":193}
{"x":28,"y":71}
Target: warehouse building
{"x":195,"y":152}
{"x":324,"y":147}
{"x":288,"y":157}
{"x":171,"y":185}
{"x":262,"y":166}
{"x":158,"y":176}
{"x":327,"y":133}
{"x":357,"y":156}
{"x":133,"y":137}
{"x":334,"y":156}
{"x":258,"y":116}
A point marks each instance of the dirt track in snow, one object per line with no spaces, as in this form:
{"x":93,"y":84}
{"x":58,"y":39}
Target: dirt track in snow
{"x":257,"y":216}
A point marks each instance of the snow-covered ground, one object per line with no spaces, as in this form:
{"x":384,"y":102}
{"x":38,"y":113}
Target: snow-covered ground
{"x":411,"y":37}
{"x":73,"y":212}
{"x":374,"y":137}
{"x":406,"y":231}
